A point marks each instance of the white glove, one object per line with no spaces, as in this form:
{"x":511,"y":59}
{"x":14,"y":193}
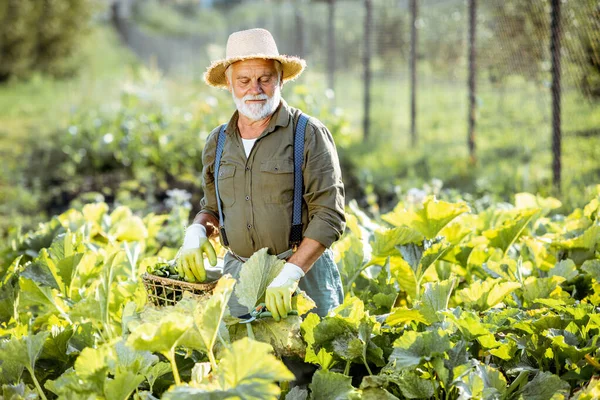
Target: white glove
{"x":289,"y":271}
{"x":278,"y":296}
{"x":193,"y":234}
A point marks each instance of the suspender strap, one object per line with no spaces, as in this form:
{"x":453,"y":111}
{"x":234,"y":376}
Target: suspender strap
{"x":296,"y":232}
{"x":219,"y":153}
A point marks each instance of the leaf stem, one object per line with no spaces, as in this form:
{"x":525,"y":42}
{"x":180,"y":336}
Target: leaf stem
{"x":250,"y":331}
{"x":171,"y":356}
{"x":367,"y":365}
{"x":213,"y":361}
{"x":37,"y":384}
{"x":347,"y":369}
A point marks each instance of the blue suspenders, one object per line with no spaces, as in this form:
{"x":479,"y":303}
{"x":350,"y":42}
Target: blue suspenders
{"x":296,"y":232}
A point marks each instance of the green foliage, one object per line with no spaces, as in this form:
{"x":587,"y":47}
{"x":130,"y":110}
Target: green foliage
{"x":41,"y":36}
{"x":518,"y":319}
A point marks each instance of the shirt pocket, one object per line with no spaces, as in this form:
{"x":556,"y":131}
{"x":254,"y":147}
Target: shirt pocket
{"x":277,"y":178}
{"x":226,"y":186}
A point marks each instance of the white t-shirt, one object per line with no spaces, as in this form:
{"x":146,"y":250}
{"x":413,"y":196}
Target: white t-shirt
{"x":248,"y":144}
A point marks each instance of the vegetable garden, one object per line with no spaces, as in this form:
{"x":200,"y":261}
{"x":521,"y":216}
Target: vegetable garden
{"x":444,"y":300}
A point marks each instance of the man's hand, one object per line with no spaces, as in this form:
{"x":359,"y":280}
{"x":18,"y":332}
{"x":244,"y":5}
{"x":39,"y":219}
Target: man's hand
{"x":191,"y":257}
{"x":278,"y":297}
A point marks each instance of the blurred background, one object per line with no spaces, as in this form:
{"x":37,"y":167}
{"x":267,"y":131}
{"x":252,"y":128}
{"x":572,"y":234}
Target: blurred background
{"x":104,"y":99}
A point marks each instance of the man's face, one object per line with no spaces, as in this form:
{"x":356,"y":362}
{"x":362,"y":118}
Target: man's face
{"x":255,"y":87}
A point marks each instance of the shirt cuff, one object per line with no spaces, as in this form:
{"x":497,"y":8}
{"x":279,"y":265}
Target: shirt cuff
{"x":321,"y":231}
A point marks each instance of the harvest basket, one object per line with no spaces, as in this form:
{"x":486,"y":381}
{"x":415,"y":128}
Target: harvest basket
{"x":167,"y":292}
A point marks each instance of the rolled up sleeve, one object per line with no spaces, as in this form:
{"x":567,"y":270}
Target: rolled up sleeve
{"x":208,"y":203}
{"x":324,"y":189}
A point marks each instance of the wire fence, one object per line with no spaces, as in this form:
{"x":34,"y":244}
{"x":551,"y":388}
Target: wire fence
{"x":364,"y":49}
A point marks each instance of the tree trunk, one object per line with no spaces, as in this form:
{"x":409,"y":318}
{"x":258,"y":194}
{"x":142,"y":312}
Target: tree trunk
{"x":555,"y":32}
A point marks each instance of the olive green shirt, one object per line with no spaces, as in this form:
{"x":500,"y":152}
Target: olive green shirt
{"x":257,"y":191}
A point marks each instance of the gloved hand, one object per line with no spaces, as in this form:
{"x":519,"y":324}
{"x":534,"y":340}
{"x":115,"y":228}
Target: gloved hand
{"x":191,"y":257}
{"x":278,"y":297}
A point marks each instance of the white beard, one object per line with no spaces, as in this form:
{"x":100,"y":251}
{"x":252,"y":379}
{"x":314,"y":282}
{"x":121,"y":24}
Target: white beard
{"x":258,"y":111}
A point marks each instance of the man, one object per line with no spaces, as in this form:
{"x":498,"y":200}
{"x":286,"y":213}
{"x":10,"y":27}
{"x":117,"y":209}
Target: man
{"x":256,"y":181}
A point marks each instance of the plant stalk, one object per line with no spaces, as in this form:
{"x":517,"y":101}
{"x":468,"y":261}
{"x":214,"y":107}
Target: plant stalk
{"x":37,"y":384}
{"x":171,"y":356}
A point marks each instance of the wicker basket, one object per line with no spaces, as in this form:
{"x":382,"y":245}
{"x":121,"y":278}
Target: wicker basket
{"x":167,"y":292}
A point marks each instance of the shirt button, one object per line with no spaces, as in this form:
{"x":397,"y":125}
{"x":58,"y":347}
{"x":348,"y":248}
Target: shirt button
{"x":249,"y":226}
{"x":247,"y":168}
{"x":247,"y":197}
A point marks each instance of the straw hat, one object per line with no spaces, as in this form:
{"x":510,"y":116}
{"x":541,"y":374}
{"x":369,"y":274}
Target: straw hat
{"x":245,"y":45}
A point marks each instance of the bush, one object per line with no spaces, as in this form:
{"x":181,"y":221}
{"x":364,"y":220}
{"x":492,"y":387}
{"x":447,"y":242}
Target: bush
{"x":41,"y":35}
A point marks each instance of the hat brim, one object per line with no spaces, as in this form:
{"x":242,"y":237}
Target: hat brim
{"x":215,"y":73}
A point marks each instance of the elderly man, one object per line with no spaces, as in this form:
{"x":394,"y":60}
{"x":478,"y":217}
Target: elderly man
{"x":251,"y":201}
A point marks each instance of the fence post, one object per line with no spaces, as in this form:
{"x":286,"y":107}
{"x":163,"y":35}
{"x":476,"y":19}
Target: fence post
{"x":413,"y":72}
{"x":331,"y":44}
{"x":472,"y":72}
{"x":299,"y":17}
{"x":367,"y":68}
{"x":555,"y":33}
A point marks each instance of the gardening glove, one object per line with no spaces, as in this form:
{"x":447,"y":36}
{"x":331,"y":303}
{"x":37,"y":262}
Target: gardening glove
{"x":195,"y":247}
{"x":278,"y":297}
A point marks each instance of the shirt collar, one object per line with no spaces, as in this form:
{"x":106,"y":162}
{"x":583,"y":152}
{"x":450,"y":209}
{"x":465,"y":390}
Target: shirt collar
{"x":281,"y":118}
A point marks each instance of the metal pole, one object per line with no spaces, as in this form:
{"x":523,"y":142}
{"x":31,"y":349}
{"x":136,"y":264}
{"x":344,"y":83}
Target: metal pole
{"x":555,"y":33}
{"x":472,"y":72}
{"x":367,"y":68}
{"x":413,"y":72}
{"x":331,"y":45}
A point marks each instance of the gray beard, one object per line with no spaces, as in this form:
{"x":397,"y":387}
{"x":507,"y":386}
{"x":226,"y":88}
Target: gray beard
{"x":257,"y":112}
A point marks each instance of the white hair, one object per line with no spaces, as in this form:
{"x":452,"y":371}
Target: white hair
{"x":278,"y":69}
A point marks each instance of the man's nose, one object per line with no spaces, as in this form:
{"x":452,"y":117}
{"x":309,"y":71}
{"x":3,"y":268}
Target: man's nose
{"x":255,"y":87}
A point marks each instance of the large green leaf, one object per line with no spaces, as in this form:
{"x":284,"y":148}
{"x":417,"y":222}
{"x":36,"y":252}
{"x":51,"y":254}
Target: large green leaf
{"x":247,"y":370}
{"x":322,"y":357}
{"x":586,"y":241}
{"x":351,"y":252}
{"x":284,"y":335}
{"x":435,"y":298}
{"x":56,"y":346}
{"x":327,"y":385}
{"x":470,"y":325}
{"x":565,"y":269}
{"x":385,"y":241}
{"x":9,"y":297}
{"x":413,"y":347}
{"x":122,"y":385}
{"x":208,"y":317}
{"x":401,"y":316}
{"x":480,"y":381}
{"x":17,"y":353}
{"x":592,"y":268}
{"x":430,"y":219}
{"x":257,"y":273}
{"x":297,"y":394}
{"x":505,"y":235}
{"x":482,"y":295}
{"x":415,"y":387}
{"x":405,"y":276}
{"x":163,"y":336}
{"x":538,"y":288}
{"x":43,"y":271}
{"x":528,"y":200}
{"x":543,"y":386}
